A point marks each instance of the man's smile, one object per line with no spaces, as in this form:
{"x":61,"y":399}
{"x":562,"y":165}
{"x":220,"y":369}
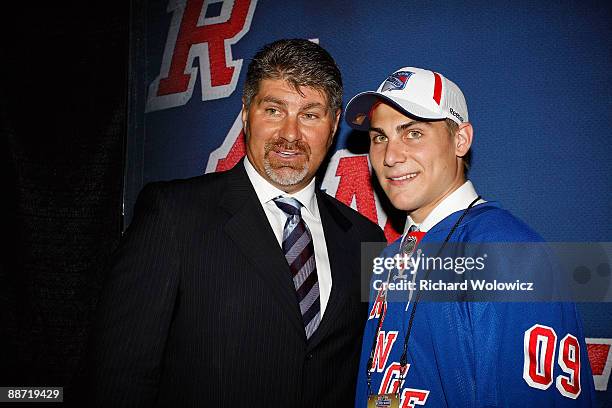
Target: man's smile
{"x":401,"y":179}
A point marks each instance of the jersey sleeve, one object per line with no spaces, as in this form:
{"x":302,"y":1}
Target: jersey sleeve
{"x":530,"y":353}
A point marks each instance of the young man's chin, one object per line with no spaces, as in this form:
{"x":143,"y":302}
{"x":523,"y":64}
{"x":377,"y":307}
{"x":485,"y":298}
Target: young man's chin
{"x":402,"y":203}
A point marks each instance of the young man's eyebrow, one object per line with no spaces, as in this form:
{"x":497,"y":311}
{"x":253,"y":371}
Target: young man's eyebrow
{"x":405,"y":126}
{"x":377,"y":130}
{"x":401,"y":127}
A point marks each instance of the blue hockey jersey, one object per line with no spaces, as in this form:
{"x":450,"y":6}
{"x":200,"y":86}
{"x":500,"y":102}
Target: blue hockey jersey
{"x":478,"y":354}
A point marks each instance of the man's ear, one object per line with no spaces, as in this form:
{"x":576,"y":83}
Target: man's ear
{"x":463,"y":139}
{"x":244,"y":113}
{"x":336,"y":120}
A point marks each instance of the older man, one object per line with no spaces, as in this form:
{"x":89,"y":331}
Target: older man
{"x":242,"y":288}
{"x":453,"y":353}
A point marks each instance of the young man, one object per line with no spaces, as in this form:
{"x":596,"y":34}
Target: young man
{"x":242,"y":288}
{"x":456,"y":354}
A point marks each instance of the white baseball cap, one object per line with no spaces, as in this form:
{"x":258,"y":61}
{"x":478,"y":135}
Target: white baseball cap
{"x":417,"y":92}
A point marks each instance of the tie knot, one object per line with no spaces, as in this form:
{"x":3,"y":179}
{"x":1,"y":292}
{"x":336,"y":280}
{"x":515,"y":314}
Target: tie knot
{"x":288,"y":205}
{"x":413,"y":228}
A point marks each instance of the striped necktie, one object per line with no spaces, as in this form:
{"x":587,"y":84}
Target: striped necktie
{"x":299,"y":252}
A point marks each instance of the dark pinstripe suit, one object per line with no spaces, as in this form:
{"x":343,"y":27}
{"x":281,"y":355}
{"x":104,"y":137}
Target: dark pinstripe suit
{"x":200,"y":308}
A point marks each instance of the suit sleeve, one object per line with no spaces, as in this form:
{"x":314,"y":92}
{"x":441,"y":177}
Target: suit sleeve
{"x":135,"y":309}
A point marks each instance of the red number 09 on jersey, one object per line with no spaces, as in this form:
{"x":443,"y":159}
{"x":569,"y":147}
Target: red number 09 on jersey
{"x":540,"y":343}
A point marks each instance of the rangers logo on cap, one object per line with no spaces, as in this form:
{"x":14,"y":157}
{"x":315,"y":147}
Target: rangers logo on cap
{"x":430,"y":96}
{"x":396,"y":81}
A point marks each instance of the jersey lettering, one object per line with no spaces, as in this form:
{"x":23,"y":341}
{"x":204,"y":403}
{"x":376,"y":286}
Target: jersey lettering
{"x":412,"y":397}
{"x":383,"y":349}
{"x":391,"y":380}
{"x":377,"y":307}
{"x":539,"y":356}
{"x":569,"y":361}
{"x":539,"y":344}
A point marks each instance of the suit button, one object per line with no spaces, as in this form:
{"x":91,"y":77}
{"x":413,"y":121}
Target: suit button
{"x":309,"y":356}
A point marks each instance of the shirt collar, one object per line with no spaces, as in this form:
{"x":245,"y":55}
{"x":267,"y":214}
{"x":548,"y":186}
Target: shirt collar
{"x":459,"y":199}
{"x":266,"y":191}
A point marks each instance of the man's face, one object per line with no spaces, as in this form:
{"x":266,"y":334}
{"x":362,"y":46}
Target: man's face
{"x":288,"y":134}
{"x":416,"y":162}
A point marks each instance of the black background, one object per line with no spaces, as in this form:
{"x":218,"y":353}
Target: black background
{"x":63,"y":117}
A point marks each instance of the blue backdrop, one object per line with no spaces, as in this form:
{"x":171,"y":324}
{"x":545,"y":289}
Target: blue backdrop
{"x":536,"y":78}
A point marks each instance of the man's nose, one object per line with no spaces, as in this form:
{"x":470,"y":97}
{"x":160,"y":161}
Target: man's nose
{"x":291,"y":130}
{"x":395,"y":152}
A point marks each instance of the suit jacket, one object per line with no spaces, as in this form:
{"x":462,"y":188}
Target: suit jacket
{"x":199,"y":308}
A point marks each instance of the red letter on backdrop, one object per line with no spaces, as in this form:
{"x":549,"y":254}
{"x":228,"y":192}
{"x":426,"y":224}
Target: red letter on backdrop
{"x":214,"y":35}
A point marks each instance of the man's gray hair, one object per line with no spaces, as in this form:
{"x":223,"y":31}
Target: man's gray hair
{"x":300,"y":63}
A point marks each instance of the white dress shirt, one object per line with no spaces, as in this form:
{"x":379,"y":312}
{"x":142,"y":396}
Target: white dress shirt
{"x":266,"y":192}
{"x":459,"y":199}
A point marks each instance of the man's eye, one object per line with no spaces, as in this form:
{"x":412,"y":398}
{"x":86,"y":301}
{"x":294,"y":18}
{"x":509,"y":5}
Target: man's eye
{"x":272,"y":111}
{"x":414,"y":134}
{"x":379,"y":139}
{"x":311,"y":116}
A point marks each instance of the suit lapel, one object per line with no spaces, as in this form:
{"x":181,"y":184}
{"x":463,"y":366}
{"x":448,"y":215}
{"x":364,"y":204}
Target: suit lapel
{"x":250,"y":230}
{"x":335,"y":228}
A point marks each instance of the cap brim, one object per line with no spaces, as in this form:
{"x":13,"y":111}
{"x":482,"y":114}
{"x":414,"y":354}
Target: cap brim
{"x":357,"y":113}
